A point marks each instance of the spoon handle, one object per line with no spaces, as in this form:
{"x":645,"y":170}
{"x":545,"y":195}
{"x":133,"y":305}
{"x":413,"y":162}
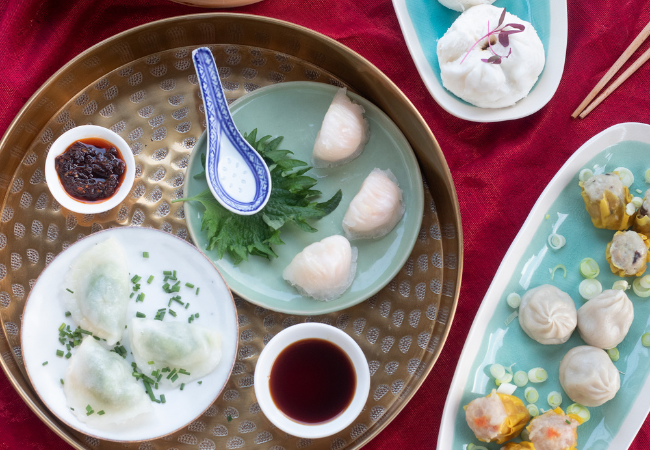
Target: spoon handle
{"x":226,"y":142}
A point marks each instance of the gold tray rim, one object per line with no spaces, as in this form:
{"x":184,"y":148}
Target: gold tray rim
{"x":377,"y":428}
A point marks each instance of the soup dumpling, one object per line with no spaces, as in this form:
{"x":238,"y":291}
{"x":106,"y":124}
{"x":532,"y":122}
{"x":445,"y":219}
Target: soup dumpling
{"x":604,"y":320}
{"x":588,"y":376}
{"x":323,"y":270}
{"x":627,"y":253}
{"x":176,"y":345}
{"x":548,"y":315}
{"x":99,"y":281}
{"x":377,"y":207}
{"x":605,"y":198}
{"x":496,"y":417}
{"x":103,"y":380}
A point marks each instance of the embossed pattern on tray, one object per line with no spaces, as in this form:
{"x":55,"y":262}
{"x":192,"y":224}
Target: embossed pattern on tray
{"x":154,"y":103}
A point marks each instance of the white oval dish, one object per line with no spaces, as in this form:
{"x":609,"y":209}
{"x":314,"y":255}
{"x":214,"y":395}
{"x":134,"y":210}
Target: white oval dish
{"x":60,"y":146}
{"x":539,"y":96}
{"x":296,"y":333}
{"x":44,"y":312}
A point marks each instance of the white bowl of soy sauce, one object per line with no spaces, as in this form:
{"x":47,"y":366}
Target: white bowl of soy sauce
{"x":312,"y":380}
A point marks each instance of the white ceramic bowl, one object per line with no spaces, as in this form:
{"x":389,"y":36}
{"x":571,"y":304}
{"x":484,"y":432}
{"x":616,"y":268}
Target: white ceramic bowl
{"x":298,"y":333}
{"x":60,"y":146}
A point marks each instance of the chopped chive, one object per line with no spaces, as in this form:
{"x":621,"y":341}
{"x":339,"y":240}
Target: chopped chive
{"x":167,"y":272}
{"x":140,"y":297}
{"x":81,"y":330}
{"x":96,"y":338}
{"x":59,"y":353}
{"x":140,"y":315}
{"x":172,"y":312}
{"x":45,"y":363}
{"x":174,"y":378}
{"x":101,"y":413}
{"x":171,"y":374}
{"x":72,"y":409}
{"x":182,"y":386}
{"x":197,"y":291}
{"x":169,"y":303}
{"x":68,"y":355}
{"x":67,"y":346}
{"x":151,"y":363}
{"x":147,"y":388}
{"x":196,"y":315}
{"x":165,"y":369}
{"x":145,"y":254}
{"x":132,"y":294}
{"x":136,"y":278}
{"x":166,"y":278}
{"x":90,"y":412}
{"x":156,"y":385}
{"x":229,"y":418}
{"x":187,"y":305}
{"x":189,"y":285}
{"x":174,"y":274}
{"x":61,"y":340}
{"x":72,"y":292}
{"x":68,"y":313}
{"x":150,"y":279}
{"x":183,"y":371}
{"x":62,"y":326}
{"x":162,"y":398}
{"x":61,"y":380}
{"x":158,"y":377}
{"x":175,"y":288}
{"x":200,"y":382}
{"x":136,"y":288}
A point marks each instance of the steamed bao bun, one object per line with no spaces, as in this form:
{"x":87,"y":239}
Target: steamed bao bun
{"x":548,"y":315}
{"x":462,"y":5}
{"x":482,"y":84}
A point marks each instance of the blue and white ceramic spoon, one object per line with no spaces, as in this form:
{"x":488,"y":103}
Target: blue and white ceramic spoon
{"x":236,"y":174}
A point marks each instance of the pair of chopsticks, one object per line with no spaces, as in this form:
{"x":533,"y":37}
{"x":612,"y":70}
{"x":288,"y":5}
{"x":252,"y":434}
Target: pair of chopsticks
{"x":585,"y":107}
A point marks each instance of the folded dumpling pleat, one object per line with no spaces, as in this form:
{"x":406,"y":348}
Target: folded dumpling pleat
{"x":99,"y":281}
{"x":187,"y":350}
{"x":103,"y":381}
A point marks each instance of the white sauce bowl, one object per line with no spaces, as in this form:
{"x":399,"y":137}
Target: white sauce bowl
{"x":60,"y":146}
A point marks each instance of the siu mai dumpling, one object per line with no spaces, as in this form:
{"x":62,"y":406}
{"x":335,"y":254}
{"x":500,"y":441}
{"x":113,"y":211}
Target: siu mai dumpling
{"x":342,"y":135}
{"x":554,"y":431}
{"x":323,"y":270}
{"x":376,"y":208}
{"x":103,"y":380}
{"x":174,"y":345}
{"x":606,"y":199}
{"x":627,"y":253}
{"x":497,"y":417}
{"x":99,"y":281}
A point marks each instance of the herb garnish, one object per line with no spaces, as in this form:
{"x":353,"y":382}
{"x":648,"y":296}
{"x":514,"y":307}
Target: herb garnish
{"x":290,"y":201}
{"x":504,"y":40}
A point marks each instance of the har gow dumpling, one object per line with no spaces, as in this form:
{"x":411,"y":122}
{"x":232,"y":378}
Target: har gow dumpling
{"x":464,"y":71}
{"x":588,"y":376}
{"x":103,"y":380}
{"x":342,"y":135}
{"x":548,"y":315}
{"x":462,"y":5}
{"x":177,"y":345}
{"x":99,"y":281}
{"x":604,"y":320}
{"x":323,"y":270}
{"x":496,"y":417}
{"x":376,"y":208}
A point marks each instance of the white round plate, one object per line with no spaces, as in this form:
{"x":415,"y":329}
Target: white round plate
{"x":44,"y":313}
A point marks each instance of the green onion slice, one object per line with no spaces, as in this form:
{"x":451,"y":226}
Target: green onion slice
{"x":637,"y":287}
{"x":621,"y":285}
{"x":140,"y":315}
{"x":645,"y":339}
{"x":626,"y":176}
{"x":514,"y":300}
{"x":145,"y":254}
{"x":590,"y":288}
{"x":584,"y":175}
{"x":556,"y":241}
{"x":531,"y":395}
{"x":637,"y":202}
{"x":533,"y":410}
{"x":630,"y":209}
{"x":521,"y":378}
{"x":580,"y":411}
{"x":613,"y":354}
{"x":554,"y":399}
{"x":647,"y":176}
{"x":537,"y":375}
{"x":589,"y":268}
{"x":512,"y":317}
{"x":559,"y":266}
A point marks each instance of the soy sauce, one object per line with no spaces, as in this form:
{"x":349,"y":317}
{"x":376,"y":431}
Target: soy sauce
{"x":312,"y":381}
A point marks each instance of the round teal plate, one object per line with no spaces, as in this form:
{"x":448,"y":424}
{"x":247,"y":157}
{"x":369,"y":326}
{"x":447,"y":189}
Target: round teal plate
{"x":296,"y":110}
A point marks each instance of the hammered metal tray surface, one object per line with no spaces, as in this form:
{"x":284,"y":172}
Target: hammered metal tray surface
{"x":141,"y":84}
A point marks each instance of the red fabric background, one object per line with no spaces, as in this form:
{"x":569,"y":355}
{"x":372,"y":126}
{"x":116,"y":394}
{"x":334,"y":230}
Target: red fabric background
{"x":507,"y":164}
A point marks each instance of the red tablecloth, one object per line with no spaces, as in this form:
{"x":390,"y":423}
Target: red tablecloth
{"x":512,"y":162}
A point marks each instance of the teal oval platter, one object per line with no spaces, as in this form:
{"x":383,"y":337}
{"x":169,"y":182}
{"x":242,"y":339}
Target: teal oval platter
{"x":423,"y":23}
{"x":528,"y":264}
{"x":296,"y":110}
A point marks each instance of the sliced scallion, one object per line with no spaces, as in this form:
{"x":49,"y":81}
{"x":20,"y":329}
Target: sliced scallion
{"x":637,"y":202}
{"x":621,"y":285}
{"x":554,"y":399}
{"x":182,"y":386}
{"x":589,"y":268}
{"x":162,"y":398}
{"x":101,"y":413}
{"x":513,"y":299}
{"x":189,"y":285}
{"x":512,"y":317}
{"x":590,"y":288}
{"x":150,"y":279}
{"x":520,"y":378}
{"x":556,"y":241}
{"x":197,"y":291}
{"x":537,"y":375}
{"x":174,"y":378}
{"x":151,"y":363}
{"x":647,"y":176}
{"x":585,"y":174}
{"x":531,"y":395}
{"x":167,"y":272}
{"x":140,"y":315}
{"x":45,"y":363}
{"x":62,"y":326}
{"x":187,"y":305}
{"x":630,"y":209}
{"x":580,"y":411}
{"x":559,"y":266}
{"x":614,"y":354}
{"x":645,"y":339}
{"x":145,"y":254}
{"x":68,"y":313}
{"x":533,"y":410}
{"x":626,"y":176}
{"x":59,"y":353}
{"x":72,"y":292}
{"x":637,"y":287}
{"x":172,"y":312}
{"x":68,"y":355}
{"x":135,"y":279}
{"x":61,"y":380}
{"x":140,"y":297}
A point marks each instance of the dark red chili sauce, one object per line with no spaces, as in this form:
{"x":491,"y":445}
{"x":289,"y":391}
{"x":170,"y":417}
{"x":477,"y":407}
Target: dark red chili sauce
{"x":91,"y":169}
{"x":312,"y":381}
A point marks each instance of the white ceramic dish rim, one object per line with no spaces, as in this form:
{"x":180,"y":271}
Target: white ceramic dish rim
{"x":62,"y":143}
{"x":232,"y":364}
{"x":630,"y":131}
{"x":541,"y":94}
{"x":297,"y":333}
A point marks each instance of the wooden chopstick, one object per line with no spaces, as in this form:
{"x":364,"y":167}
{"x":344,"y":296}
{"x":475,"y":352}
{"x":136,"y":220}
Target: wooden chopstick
{"x":636,"y":43}
{"x":624,"y":76}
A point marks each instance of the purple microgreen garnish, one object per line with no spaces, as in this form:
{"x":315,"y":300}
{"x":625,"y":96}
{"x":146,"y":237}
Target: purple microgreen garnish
{"x":503,"y":37}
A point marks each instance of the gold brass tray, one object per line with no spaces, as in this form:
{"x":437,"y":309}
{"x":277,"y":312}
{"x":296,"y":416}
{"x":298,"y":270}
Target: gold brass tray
{"x":141,"y":84}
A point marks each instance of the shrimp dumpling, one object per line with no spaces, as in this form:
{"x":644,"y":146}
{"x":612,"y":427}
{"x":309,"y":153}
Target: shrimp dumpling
{"x":323,"y":270}
{"x":103,"y":380}
{"x":554,"y":431}
{"x":604,"y":320}
{"x":342,"y":135}
{"x":548,"y":315}
{"x":99,"y":281}
{"x":588,"y":376}
{"x":376,"y":208}
{"x":177,"y":345}
{"x":496,"y":417}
